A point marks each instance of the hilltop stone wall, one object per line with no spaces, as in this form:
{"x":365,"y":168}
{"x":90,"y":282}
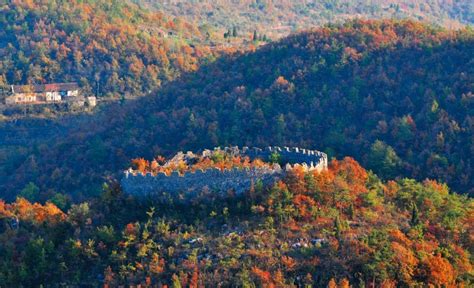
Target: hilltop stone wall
{"x":212,"y":180}
{"x":215,"y":181}
{"x":314,"y":159}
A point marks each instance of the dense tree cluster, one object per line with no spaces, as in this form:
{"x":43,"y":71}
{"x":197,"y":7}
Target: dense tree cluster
{"x":279,"y":17}
{"x":217,"y":159}
{"x":336,"y":228}
{"x":397,"y":96}
{"x":111,"y":48}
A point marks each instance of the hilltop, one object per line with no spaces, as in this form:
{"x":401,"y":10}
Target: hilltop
{"x":111,"y":48}
{"x":396,"y":95}
{"x":338,"y":227}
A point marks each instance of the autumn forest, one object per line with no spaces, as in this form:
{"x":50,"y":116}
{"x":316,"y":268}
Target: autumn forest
{"x":384,"y":91}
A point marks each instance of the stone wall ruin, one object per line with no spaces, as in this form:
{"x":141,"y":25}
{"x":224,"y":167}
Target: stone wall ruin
{"x":213,"y":180}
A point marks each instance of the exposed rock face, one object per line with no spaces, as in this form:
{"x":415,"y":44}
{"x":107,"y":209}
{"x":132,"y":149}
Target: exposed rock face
{"x":221,"y":182}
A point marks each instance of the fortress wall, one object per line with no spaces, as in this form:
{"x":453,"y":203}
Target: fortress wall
{"x":216,"y":181}
{"x":237,"y":180}
{"x":315,"y":159}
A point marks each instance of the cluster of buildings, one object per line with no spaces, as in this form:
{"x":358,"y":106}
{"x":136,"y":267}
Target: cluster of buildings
{"x":47,"y":94}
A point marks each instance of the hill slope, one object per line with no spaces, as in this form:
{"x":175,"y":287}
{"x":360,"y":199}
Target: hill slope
{"x":395,"y":95}
{"x":110,"y":47}
{"x":312,"y":229}
{"x":277,"y":18}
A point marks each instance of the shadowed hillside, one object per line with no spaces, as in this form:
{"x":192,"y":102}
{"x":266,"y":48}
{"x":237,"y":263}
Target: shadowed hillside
{"x":395,"y":95}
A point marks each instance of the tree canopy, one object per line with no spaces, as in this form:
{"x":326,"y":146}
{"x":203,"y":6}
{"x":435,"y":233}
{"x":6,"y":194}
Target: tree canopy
{"x":111,"y":48}
{"x":340,"y":227}
{"x":396,"y":95}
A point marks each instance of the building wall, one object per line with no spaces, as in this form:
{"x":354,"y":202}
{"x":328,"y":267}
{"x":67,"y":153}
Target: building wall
{"x":73,"y":93}
{"x":53,"y":96}
{"x":50,"y":96}
{"x":91,"y":101}
{"x":25,"y":97}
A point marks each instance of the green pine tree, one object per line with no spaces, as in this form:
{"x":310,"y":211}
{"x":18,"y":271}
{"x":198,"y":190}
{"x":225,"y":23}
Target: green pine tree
{"x":415,"y":215}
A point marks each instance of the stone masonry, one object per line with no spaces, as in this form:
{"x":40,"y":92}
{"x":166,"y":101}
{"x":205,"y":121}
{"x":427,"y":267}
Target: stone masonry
{"x":214,"y":180}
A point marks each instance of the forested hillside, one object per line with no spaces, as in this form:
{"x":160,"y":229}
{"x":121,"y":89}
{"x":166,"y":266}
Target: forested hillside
{"x":397,"y":96}
{"x":343,"y":227}
{"x":276,"y":17}
{"x":111,"y":48}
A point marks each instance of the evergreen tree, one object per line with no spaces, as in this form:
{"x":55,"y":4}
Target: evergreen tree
{"x":383,"y":159}
{"x":338,"y":227}
{"x":30,"y":192}
{"x":351,"y":211}
{"x":415,"y":215}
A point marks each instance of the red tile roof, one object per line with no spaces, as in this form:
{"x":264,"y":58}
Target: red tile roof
{"x":53,"y":87}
